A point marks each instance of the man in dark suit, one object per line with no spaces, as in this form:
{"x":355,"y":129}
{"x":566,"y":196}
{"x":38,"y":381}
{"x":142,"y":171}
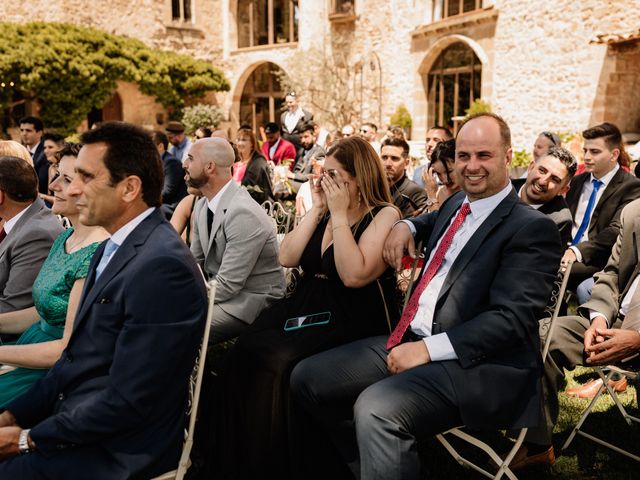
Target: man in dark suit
{"x":307,"y":155}
{"x":596,"y":199}
{"x":292,"y":121}
{"x":31,"y":130}
{"x":548,"y":179}
{"x":113,"y":406}
{"x":174,"y":187}
{"x":26,"y":237}
{"x":407,"y":195}
{"x":466,"y":350}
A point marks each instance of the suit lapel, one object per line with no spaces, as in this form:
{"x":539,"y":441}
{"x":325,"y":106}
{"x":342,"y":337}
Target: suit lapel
{"x":573,"y":198}
{"x":221,"y":211}
{"x":23,"y":221}
{"x":121,"y":258}
{"x":610,"y":189}
{"x":477,"y":239}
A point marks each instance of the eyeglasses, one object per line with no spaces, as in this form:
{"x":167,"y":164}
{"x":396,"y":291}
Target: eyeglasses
{"x":364,"y":130}
{"x":291,"y":94}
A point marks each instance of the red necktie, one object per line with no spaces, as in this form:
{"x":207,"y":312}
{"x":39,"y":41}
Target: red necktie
{"x":3,"y":234}
{"x":432,"y":269}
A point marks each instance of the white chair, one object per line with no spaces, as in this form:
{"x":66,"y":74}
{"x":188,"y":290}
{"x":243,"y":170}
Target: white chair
{"x":195,"y":385}
{"x":283,"y":220}
{"x":546,"y":329}
{"x":631,"y":375}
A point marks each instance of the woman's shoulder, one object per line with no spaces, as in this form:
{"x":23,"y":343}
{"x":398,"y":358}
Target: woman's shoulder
{"x":386,"y":212}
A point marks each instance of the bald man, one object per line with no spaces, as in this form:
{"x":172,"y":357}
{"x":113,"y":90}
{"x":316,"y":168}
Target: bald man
{"x":233,"y":241}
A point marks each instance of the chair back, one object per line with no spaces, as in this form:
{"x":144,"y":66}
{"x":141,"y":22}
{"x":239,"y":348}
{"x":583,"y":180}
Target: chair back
{"x":283,"y":220}
{"x":553,"y":307}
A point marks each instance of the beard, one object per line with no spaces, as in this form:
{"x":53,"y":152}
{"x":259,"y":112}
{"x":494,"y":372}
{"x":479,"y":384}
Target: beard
{"x":197,"y":182}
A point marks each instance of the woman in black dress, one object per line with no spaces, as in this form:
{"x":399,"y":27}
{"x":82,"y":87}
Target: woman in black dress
{"x":338,"y":244}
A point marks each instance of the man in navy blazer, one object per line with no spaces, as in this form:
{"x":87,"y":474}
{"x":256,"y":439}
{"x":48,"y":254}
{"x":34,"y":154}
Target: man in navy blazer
{"x":470,"y":354}
{"x":113,"y":406}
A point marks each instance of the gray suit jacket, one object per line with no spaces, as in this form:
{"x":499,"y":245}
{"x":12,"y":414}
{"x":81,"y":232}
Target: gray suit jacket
{"x":613,"y":282}
{"x":242,"y":254}
{"x":22,"y":254}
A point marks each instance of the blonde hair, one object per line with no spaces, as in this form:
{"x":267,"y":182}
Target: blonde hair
{"x":361,"y":161}
{"x":11,"y":148}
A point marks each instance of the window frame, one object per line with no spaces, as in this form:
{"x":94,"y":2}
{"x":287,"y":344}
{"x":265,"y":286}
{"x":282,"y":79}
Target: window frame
{"x":441,"y":9}
{"x":271,"y":27}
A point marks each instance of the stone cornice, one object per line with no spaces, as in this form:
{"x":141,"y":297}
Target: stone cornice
{"x":457,"y":22}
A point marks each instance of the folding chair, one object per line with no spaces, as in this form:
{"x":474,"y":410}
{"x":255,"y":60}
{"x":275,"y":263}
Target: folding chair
{"x":631,"y":375}
{"x":546,"y":330}
{"x":195,"y":385}
{"x":283,"y":220}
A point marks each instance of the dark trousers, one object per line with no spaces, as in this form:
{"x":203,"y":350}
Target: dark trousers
{"x":369,"y":412}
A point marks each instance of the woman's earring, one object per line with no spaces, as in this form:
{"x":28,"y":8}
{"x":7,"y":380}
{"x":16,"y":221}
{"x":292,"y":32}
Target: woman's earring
{"x":359,"y":198}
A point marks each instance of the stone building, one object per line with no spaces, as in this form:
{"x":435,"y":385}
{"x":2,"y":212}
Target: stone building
{"x":560,"y":66}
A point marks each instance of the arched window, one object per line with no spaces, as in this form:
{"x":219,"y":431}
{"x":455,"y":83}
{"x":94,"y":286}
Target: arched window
{"x":266,"y":22}
{"x":262,"y":97}
{"x":453,"y":84}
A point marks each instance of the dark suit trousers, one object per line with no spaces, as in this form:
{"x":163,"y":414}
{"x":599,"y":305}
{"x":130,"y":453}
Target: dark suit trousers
{"x":391,"y":412}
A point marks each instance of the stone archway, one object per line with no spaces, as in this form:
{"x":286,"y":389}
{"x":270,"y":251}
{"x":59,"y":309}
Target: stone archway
{"x":426,"y":98}
{"x":258,"y":97}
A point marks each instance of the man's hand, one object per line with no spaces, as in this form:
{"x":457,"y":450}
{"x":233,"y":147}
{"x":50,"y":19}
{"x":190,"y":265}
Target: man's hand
{"x":398,"y":241}
{"x":617,"y":345}
{"x":406,"y":356}
{"x":9,"y":437}
{"x":7,"y":419}
{"x":591,"y":336}
{"x":569,"y":256}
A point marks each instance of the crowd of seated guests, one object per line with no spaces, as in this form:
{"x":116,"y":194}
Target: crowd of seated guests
{"x":347,"y":245}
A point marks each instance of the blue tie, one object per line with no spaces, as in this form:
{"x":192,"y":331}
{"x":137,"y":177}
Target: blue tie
{"x":587,"y":214}
{"x":109,"y":249}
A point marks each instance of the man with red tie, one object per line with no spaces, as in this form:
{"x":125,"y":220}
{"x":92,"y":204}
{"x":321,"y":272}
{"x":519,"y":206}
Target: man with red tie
{"x":466,"y":350}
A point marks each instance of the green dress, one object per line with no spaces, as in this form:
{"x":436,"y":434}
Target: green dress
{"x":51,"y":292}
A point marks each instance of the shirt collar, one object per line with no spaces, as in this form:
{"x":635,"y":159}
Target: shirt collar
{"x":123,"y":232}
{"x":607,"y":178}
{"x":9,"y":224}
{"x":485,"y":206}
{"x":213,"y":203}
{"x":532,"y":205}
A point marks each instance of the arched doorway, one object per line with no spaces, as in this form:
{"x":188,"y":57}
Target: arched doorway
{"x":262,"y":96}
{"x":454,"y":82}
{"x":111,"y":111}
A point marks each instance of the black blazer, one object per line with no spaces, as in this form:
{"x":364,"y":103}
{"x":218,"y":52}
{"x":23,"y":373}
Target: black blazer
{"x":114,"y":403}
{"x":605,"y":220}
{"x":556,"y":209}
{"x":489,"y":306}
{"x":257,"y":174}
{"x":294,"y":135}
{"x":174,"y":188}
{"x":41,"y":165}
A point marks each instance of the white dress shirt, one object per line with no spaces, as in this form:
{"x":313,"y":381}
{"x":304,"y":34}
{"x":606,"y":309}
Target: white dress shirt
{"x":273,"y":148}
{"x":587,"y":188}
{"x":439,"y":345}
{"x":9,"y":224}
{"x":213,"y":203}
{"x":625,"y":305}
{"x":291,"y":119}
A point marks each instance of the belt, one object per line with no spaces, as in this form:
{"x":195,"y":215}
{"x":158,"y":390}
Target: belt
{"x":51,"y":330}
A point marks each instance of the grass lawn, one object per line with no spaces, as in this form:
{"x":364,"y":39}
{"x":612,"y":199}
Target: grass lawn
{"x":583,"y":460}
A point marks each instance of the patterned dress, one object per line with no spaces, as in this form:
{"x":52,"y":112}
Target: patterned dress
{"x":51,"y":292}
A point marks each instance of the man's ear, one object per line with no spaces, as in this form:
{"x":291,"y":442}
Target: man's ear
{"x":132,"y":188}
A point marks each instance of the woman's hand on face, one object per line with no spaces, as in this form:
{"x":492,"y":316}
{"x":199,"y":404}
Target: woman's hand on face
{"x":336,"y":191}
{"x":318,"y":198}
{"x":430,"y":184}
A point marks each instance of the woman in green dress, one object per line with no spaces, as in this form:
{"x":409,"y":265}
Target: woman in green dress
{"x":56,"y":293}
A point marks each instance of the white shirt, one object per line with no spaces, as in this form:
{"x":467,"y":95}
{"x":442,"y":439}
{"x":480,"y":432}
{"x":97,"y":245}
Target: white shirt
{"x":625,"y":305}
{"x":9,"y":224}
{"x":213,"y":203}
{"x":291,"y":119}
{"x":587,"y":188}
{"x":272,"y":148}
{"x":439,"y":345}
{"x":123,"y":232}
{"x":532,"y":205}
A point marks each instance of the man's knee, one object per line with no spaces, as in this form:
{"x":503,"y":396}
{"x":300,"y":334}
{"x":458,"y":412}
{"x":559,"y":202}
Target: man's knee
{"x":377,"y":409}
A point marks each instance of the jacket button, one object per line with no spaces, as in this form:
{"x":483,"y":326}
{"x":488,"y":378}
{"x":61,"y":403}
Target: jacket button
{"x":61,"y":396}
{"x":69,"y":358}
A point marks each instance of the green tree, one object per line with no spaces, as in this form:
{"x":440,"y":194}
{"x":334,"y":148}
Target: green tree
{"x":71,"y":69}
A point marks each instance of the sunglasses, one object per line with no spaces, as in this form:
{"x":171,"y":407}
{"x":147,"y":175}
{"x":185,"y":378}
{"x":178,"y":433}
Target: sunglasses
{"x":551,"y":136}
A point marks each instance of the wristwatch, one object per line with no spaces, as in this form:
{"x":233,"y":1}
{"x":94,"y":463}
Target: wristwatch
{"x":23,"y":442}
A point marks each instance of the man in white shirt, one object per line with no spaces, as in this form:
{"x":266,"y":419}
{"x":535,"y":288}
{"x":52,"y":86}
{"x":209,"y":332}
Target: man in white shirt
{"x":369,"y":132}
{"x":293,"y":119}
{"x":233,"y":241}
{"x":466,"y":348}
{"x":31,"y":130}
